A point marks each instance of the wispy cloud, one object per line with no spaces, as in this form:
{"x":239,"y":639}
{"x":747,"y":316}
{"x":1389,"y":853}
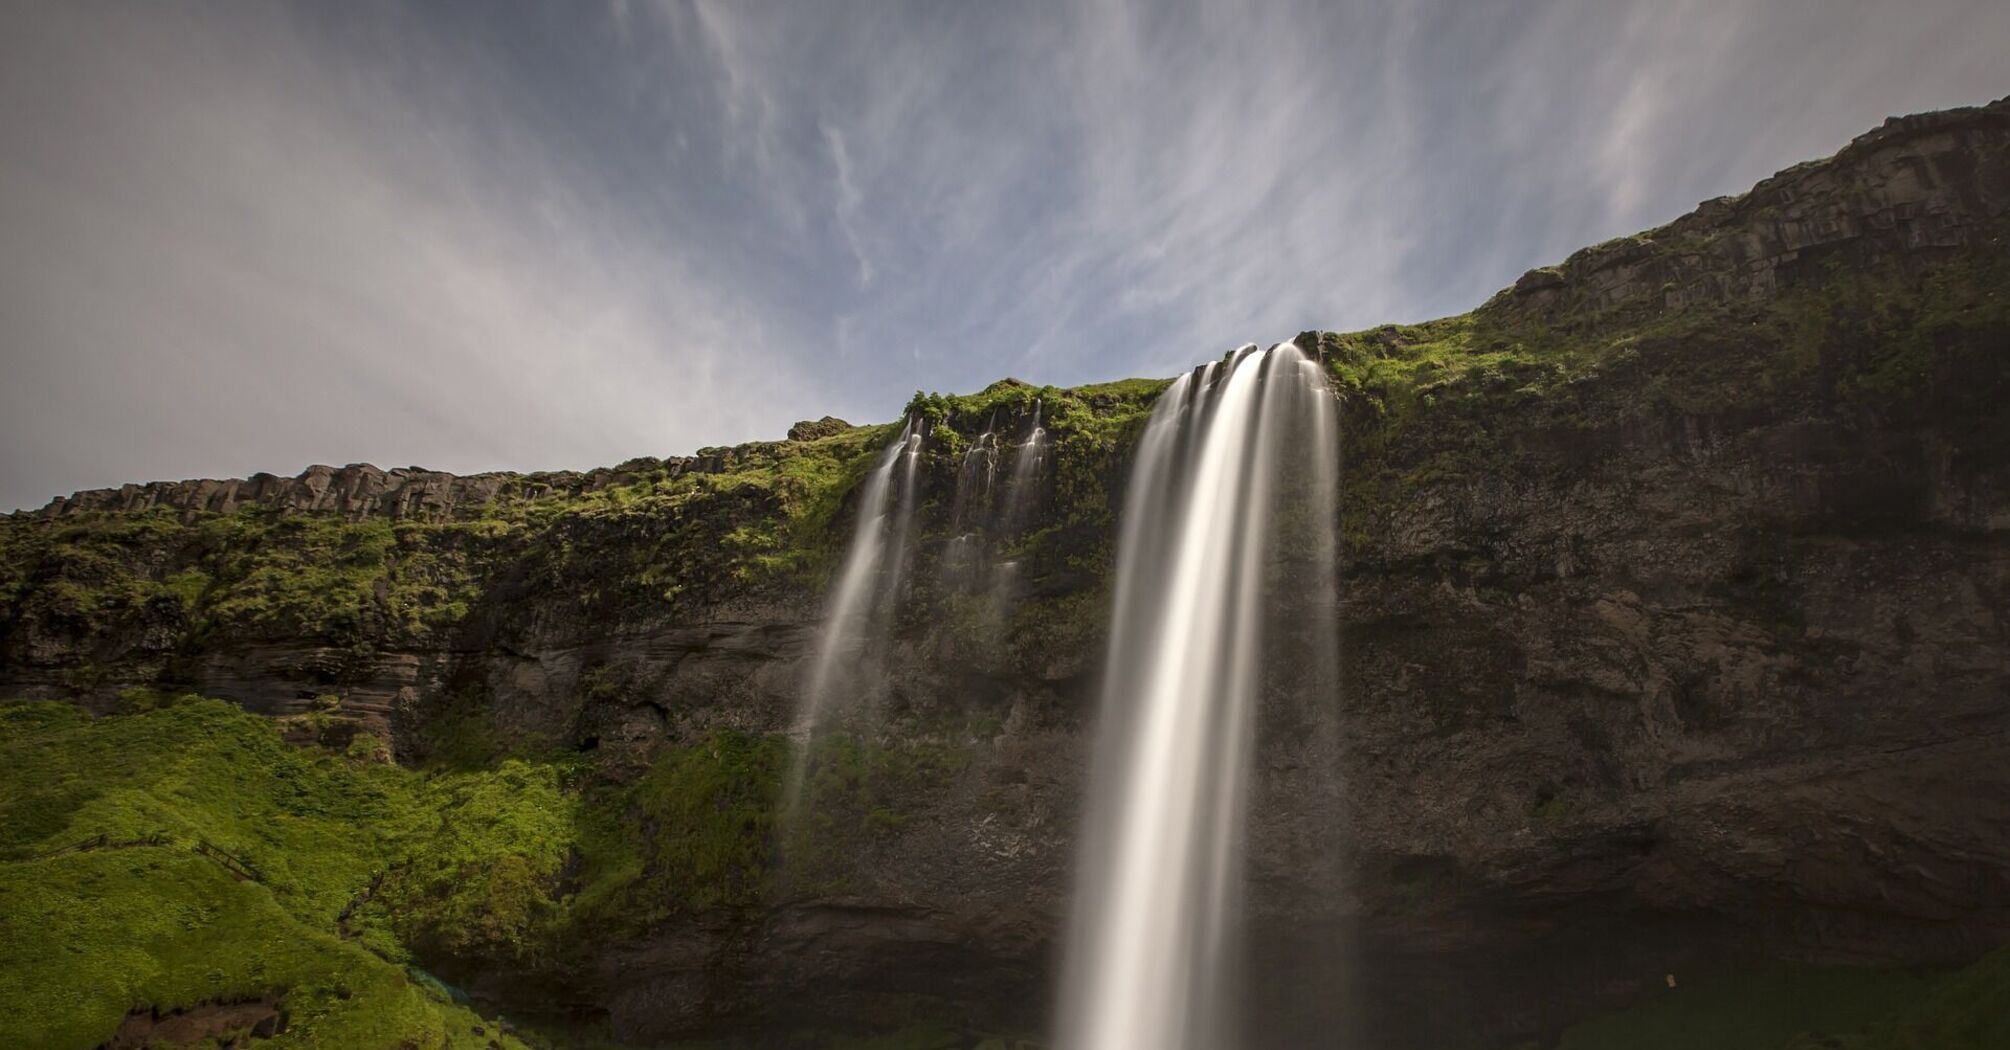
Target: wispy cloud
{"x":848,"y":198}
{"x":253,"y":236}
{"x":230,"y":255}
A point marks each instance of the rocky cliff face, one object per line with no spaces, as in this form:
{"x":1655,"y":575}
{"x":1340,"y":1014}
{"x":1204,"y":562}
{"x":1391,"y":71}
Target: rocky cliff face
{"x":1675,"y":628}
{"x":360,"y":490}
{"x":1905,"y":192}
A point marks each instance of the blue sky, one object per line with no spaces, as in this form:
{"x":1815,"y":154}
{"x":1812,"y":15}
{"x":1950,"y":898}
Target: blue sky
{"x":254,"y":236}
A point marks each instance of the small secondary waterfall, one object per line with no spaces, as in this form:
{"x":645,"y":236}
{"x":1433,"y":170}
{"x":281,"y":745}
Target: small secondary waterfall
{"x":1236,"y":470}
{"x":1028,"y":466}
{"x":1021,"y":501}
{"x":974,"y":477}
{"x":867,"y":585}
{"x":963,"y":557}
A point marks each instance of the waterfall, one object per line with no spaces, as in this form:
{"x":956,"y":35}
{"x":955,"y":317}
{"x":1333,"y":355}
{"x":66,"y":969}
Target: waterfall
{"x":1023,"y":489}
{"x":867,"y":585}
{"x":963,"y":556}
{"x":1236,"y":471}
{"x":973,"y":478}
{"x":1021,"y":500}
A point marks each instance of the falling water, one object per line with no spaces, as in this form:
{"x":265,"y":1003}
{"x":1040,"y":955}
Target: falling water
{"x":963,"y":556}
{"x":867,"y":583}
{"x":1238,"y":459}
{"x":1029,"y":464}
{"x":974,"y":477}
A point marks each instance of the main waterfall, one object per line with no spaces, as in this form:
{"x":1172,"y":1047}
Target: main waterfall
{"x":1238,"y":462}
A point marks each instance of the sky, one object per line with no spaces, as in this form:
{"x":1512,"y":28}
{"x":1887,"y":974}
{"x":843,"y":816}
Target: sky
{"x":245,"y":236}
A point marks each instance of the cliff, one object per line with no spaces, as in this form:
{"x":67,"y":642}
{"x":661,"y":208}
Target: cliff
{"x":1673,"y":624}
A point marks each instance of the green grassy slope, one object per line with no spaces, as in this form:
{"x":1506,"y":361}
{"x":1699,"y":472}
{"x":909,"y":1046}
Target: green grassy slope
{"x":87,"y":935}
{"x":360,"y":869}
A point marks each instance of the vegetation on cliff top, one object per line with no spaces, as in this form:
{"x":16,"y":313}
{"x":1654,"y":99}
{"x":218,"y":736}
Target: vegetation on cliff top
{"x":138,"y":598}
{"x":1423,"y":402}
{"x":1451,"y":399}
{"x":1857,"y":336}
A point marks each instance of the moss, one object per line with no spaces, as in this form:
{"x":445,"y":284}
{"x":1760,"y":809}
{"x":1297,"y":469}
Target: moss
{"x":693,"y":834}
{"x":86,"y":937}
{"x":203,"y":771}
{"x":913,"y":1036}
{"x":1968,"y":1009}
{"x":140,"y":699}
{"x":89,"y":934}
{"x":363,"y":865}
{"x":1789,"y":1007}
{"x":1452,"y":400}
{"x":807,"y":484}
{"x":700,"y":832}
{"x":1549,"y":809}
{"x":481,"y":882}
{"x":1067,"y":623}
{"x":180,"y":587}
{"x":172,"y":588}
{"x":1891,"y":340}
{"x":860,"y":792}
{"x":299,"y":575}
{"x":1069,"y":544}
{"x":97,"y":574}
{"x":460,"y":734}
{"x":1879,"y":329}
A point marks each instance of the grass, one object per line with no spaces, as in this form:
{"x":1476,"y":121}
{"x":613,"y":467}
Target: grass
{"x":693,"y":834}
{"x":365,"y":867}
{"x":481,"y":881}
{"x":87,"y":936}
{"x":84,"y":938}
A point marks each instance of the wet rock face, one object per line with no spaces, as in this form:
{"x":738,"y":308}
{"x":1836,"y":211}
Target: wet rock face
{"x":1665,"y":708}
{"x":1631,"y":678}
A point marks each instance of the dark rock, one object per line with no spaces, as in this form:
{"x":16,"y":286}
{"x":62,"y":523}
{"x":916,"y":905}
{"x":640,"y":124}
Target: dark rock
{"x":1913,"y":190}
{"x":812,"y":429}
{"x":1538,"y":279}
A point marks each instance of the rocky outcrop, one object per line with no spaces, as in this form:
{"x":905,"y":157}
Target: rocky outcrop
{"x":360,"y":491}
{"x":223,"y":1024}
{"x":812,"y":429}
{"x":1916,"y":186}
{"x":1677,"y":630}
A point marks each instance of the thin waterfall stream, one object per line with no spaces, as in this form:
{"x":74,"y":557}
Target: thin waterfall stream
{"x":867,"y":584}
{"x":1028,"y":465}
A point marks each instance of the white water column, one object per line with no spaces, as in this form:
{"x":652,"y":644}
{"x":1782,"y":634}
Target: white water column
{"x":867,"y":582}
{"x":1153,"y":957}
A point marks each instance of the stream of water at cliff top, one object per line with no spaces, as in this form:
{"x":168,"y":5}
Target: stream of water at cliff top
{"x":1238,"y":456}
